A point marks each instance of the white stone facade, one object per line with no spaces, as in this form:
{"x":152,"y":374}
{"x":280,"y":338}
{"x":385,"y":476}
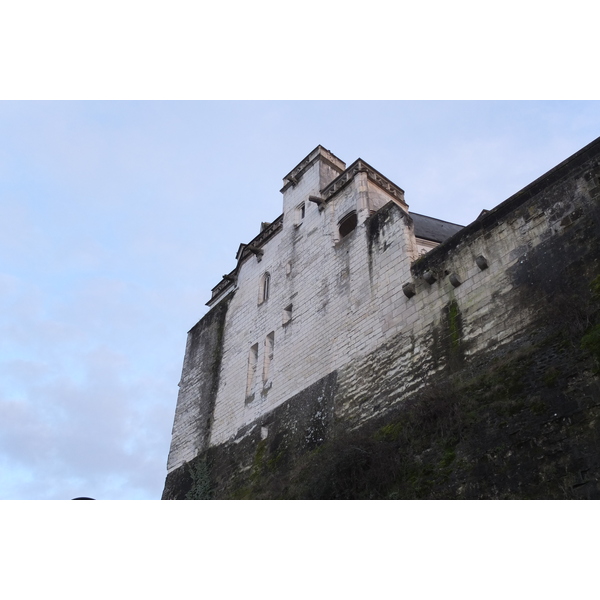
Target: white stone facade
{"x":313,"y":297}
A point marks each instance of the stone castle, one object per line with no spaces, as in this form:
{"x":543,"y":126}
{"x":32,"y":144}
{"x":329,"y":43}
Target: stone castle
{"x":349,"y":305}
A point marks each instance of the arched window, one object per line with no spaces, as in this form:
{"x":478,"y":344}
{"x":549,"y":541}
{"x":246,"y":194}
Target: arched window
{"x":347,"y":224}
{"x":265,"y":283}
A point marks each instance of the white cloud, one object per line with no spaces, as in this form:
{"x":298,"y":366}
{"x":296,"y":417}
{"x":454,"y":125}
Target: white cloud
{"x":116,"y":220}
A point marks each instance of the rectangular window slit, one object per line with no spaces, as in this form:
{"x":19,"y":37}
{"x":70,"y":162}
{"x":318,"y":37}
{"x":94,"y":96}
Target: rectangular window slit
{"x":269,"y":349}
{"x":252,"y":362}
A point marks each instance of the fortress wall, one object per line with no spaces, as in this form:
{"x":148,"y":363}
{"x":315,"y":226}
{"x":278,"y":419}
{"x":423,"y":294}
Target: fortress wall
{"x":198,"y":387}
{"x":338,"y":291}
{"x":357,"y":346}
{"x":534,"y":252}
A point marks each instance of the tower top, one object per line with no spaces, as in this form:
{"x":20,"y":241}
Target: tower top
{"x":319,"y":153}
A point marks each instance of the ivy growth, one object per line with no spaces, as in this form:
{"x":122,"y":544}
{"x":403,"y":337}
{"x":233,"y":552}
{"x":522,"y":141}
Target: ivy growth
{"x":201,"y":486}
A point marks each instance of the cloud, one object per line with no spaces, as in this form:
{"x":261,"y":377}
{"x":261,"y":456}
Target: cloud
{"x":90,"y":433}
{"x":86,"y":401}
{"x":117,"y":219}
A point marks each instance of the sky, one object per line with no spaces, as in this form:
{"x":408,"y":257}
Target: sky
{"x":117,"y":219}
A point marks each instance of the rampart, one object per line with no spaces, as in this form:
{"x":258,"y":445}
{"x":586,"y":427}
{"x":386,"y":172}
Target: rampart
{"x":470,"y":372}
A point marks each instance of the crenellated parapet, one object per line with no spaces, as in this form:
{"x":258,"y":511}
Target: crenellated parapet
{"x":360,"y":166}
{"x":318,"y":154}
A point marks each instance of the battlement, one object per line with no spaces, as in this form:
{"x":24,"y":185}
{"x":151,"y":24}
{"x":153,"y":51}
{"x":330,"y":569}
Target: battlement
{"x":318,"y":154}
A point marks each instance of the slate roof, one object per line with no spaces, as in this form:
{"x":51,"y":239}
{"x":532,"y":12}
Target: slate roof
{"x":434,"y":230}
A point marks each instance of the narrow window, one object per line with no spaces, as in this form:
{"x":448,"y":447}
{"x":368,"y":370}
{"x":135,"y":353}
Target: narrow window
{"x":265,"y":283}
{"x":252,"y":362}
{"x":287,"y":314}
{"x":269,"y":347}
{"x":347,"y":224}
{"x":299,"y":215}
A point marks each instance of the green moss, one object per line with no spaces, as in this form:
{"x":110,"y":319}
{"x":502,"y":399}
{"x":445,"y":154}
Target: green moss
{"x":505,"y":380}
{"x":590,"y":342}
{"x":595,"y":288}
{"x":469,"y":437}
{"x":201,"y":485}
{"x":454,"y":324}
{"x":274,"y":461}
{"x":217,"y":354}
{"x":452,"y":342}
{"x":389,"y":432}
{"x":259,"y":456}
{"x":551,"y":376}
{"x":448,"y":458}
{"x":243,"y":493}
{"x":420,"y":482}
{"x":538,"y":407}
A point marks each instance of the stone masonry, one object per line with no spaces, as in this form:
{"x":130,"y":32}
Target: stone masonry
{"x":341,"y":296}
{"x":348,"y":295}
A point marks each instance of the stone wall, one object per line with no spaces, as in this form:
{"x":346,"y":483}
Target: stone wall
{"x":339,"y":291}
{"x":487,"y":341}
{"x":532,"y":250}
{"x":198,"y":387}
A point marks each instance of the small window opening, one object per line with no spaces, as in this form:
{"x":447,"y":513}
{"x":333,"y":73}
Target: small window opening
{"x":265,"y":283}
{"x":252,"y":362}
{"x":269,"y":348}
{"x":347,"y":224}
{"x":287,"y":314}
{"x":300,"y":213}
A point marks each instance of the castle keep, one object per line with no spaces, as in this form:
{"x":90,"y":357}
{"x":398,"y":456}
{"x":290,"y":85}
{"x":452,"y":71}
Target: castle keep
{"x":348,"y":307}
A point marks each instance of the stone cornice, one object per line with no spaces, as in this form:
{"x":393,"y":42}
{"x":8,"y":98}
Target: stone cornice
{"x":221,"y":287}
{"x":264,"y":236}
{"x":292,"y":178}
{"x":360,"y":166}
{"x":244,"y":252}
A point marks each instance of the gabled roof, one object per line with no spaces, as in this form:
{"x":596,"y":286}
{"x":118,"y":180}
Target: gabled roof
{"x":434,"y":230}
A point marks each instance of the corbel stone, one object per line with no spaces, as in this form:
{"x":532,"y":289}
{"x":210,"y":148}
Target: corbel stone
{"x":256,"y":251}
{"x":320,"y":202}
{"x":454,"y":280}
{"x":409,"y":290}
{"x":429,"y":277}
{"x":481,"y":262}
{"x":229,"y":278}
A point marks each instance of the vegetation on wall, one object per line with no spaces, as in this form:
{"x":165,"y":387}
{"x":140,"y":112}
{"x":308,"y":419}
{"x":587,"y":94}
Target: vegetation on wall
{"x":201,"y":486}
{"x":475,"y":436}
{"x":522,"y":422}
{"x":523,"y":425}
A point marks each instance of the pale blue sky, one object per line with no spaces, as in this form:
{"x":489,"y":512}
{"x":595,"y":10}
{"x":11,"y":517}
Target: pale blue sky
{"x":117,"y":218}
